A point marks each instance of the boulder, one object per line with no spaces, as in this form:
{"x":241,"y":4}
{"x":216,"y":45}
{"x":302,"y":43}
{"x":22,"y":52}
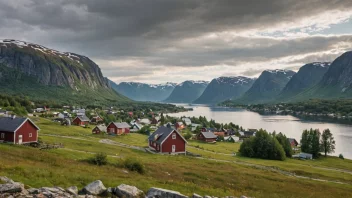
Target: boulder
{"x":159,"y":192}
{"x":128,"y":191}
{"x":94,"y":188}
{"x":196,"y":196}
{"x":33,"y":191}
{"x":6,"y":179}
{"x":11,"y":187}
{"x":73,"y":190}
{"x":243,"y":196}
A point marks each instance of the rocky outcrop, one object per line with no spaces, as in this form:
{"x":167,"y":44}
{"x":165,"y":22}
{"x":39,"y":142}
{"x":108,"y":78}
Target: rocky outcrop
{"x":9,"y":188}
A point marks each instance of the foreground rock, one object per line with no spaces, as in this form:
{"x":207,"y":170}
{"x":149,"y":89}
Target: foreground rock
{"x":94,"y":188}
{"x":128,"y":191}
{"x":11,"y":187}
{"x":159,"y":192}
{"x":73,"y":190}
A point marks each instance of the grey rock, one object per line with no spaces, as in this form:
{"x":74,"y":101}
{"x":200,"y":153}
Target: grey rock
{"x":207,"y":196}
{"x":196,"y":196}
{"x":73,"y":190}
{"x":94,"y":188}
{"x":33,"y":191}
{"x":11,"y":187}
{"x":6,"y":179}
{"x":243,"y":196}
{"x":159,"y":192}
{"x":128,"y":191}
{"x":49,"y":189}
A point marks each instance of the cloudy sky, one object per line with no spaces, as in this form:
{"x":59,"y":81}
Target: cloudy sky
{"x":157,"y":41}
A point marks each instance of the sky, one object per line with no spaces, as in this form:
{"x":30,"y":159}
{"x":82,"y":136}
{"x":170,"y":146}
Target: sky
{"x":158,"y":41}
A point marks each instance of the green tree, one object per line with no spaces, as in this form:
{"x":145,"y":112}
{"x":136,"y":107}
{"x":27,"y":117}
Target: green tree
{"x":310,"y":142}
{"x":282,"y":139}
{"x":327,"y":142}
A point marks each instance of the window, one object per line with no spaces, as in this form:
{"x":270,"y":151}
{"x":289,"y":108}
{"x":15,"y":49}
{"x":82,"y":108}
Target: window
{"x":30,"y":135}
{"x":174,"y":136}
{"x":3,"y":136}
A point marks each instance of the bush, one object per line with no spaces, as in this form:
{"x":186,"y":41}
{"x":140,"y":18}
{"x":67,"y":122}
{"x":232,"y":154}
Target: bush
{"x":341,"y":156}
{"x":263,"y":146}
{"x":99,"y":159}
{"x":133,"y":165}
{"x":187,"y":136}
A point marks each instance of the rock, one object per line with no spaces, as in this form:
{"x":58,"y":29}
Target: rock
{"x":86,"y":196}
{"x":128,"y":191}
{"x":6,"y":179}
{"x":207,"y":196}
{"x":196,"y":196}
{"x":94,"y":188}
{"x":243,"y":196}
{"x":33,"y":191}
{"x":73,"y":190}
{"x":11,"y":187}
{"x":159,"y":192}
{"x":48,"y":189}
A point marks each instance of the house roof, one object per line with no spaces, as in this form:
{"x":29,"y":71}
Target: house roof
{"x":187,"y":121}
{"x":83,"y":118}
{"x":101,"y":128}
{"x":8,"y":124}
{"x":137,"y":125}
{"x":208,"y":135}
{"x":292,"y":140}
{"x":162,"y":133}
{"x":121,"y":125}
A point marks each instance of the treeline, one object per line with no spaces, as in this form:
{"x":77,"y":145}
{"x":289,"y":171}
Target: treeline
{"x":18,"y":105}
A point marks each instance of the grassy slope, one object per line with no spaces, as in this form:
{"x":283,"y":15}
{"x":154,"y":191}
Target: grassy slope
{"x":65,"y":167}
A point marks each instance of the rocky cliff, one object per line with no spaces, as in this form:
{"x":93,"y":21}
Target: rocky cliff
{"x":187,"y":92}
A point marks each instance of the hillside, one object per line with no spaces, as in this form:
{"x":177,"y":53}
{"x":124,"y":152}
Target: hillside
{"x":187,"y":91}
{"x":307,"y":76}
{"x":144,"y":92}
{"x":45,"y":74}
{"x":224,"y":88}
{"x":267,"y":87}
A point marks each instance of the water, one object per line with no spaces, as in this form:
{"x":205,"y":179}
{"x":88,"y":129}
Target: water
{"x":289,"y":125}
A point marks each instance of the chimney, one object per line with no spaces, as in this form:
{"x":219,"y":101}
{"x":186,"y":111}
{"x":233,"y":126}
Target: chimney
{"x":168,"y":125}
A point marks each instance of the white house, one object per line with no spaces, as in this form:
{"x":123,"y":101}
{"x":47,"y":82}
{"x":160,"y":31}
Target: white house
{"x":187,"y":121}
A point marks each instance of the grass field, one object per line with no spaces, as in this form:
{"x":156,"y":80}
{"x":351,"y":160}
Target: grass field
{"x":68,"y":166}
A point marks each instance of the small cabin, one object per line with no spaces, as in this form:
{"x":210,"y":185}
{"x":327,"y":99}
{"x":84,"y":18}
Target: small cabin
{"x":18,"y":130}
{"x":118,"y":128}
{"x":167,"y":140}
{"x":99,"y":129}
{"x":81,"y":120}
{"x":206,"y":137}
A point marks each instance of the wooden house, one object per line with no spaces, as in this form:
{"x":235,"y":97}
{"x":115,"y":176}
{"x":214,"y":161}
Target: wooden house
{"x":206,"y":137}
{"x":293,"y":142}
{"x":18,"y":130}
{"x":231,"y":138}
{"x":99,"y":129}
{"x":81,"y":120}
{"x":167,"y":140}
{"x":118,"y":128}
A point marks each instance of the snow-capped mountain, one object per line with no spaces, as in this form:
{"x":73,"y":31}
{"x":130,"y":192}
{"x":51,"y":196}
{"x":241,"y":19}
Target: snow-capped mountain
{"x":224,"y":88}
{"x":187,"y":91}
{"x":143,"y":91}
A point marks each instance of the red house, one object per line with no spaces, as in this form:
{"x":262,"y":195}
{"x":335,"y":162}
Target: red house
{"x":179,"y":125}
{"x":18,"y":130}
{"x":154,"y":121}
{"x":118,"y":128}
{"x":81,"y":120}
{"x":96,"y":119}
{"x":206,"y":137}
{"x":167,"y":140}
{"x":293,"y":142}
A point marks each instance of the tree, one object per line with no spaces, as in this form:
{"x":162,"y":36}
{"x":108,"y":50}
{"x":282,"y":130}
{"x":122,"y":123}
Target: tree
{"x":310,"y":142}
{"x":162,"y":119}
{"x":327,"y":142}
{"x":282,"y":139}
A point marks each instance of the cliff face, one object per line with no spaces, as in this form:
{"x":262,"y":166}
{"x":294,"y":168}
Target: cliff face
{"x":187,"y":91}
{"x":46,"y":74}
{"x":51,"y":67}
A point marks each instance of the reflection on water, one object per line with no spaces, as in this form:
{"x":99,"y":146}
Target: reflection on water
{"x":287,"y":124}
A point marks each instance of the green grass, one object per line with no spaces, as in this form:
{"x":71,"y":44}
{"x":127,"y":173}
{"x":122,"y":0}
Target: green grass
{"x":219,"y":147}
{"x":68,"y":166}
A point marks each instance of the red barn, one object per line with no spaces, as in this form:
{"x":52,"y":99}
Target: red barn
{"x":118,"y":128}
{"x":167,"y":140}
{"x":81,"y":120}
{"x":206,"y":137}
{"x":18,"y":130}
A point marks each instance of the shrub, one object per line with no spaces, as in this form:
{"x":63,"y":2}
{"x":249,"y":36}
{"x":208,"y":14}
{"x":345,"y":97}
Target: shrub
{"x":133,"y":165}
{"x":341,"y":156}
{"x":99,"y":159}
{"x":187,"y":136}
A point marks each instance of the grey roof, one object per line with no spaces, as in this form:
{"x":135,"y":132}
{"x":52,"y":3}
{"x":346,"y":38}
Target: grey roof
{"x":161,"y":134}
{"x":83,"y":118}
{"x":208,"y":135}
{"x":102,"y":128}
{"x":8,"y":124}
{"x":122,"y":125}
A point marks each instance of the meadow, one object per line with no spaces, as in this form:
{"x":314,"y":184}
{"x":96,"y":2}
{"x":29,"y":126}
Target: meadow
{"x":217,"y":173}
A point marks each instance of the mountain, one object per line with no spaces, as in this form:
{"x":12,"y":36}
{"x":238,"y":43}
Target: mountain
{"x":267,"y":87}
{"x":224,"y":88}
{"x":187,"y":91}
{"x":144,"y":92}
{"x":307,"y":76}
{"x":336,"y":82}
{"x":46,"y":74}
